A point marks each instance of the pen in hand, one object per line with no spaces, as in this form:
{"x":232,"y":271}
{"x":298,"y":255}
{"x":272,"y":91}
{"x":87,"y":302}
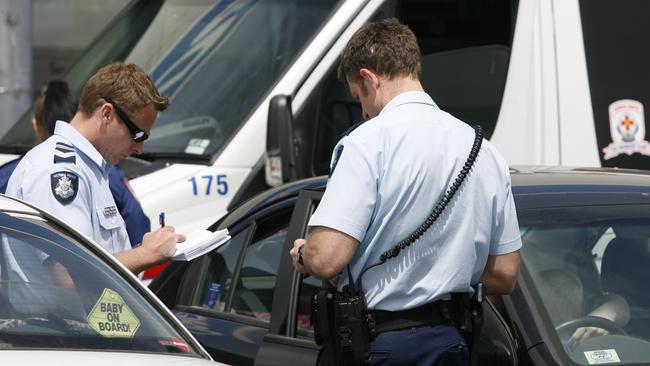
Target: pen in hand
{"x":161,"y":219}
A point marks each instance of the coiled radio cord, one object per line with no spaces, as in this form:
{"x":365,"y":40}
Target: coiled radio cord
{"x":435,"y":214}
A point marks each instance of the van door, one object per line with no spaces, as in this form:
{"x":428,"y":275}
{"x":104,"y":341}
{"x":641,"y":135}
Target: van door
{"x":466,"y":48}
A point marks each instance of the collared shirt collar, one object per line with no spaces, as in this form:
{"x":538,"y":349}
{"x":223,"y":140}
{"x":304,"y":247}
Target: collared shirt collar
{"x":66,"y":131}
{"x":409,"y":97}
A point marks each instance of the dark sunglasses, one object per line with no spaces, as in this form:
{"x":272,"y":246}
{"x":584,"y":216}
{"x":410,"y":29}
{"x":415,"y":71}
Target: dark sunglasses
{"x":136,"y":132}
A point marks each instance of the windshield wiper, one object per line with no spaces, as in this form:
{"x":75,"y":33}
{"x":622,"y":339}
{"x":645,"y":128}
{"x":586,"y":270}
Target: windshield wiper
{"x":176,"y":156}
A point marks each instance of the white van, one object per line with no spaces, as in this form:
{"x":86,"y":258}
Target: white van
{"x":553,"y":82}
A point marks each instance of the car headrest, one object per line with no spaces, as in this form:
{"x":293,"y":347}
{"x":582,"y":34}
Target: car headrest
{"x":625,"y":266}
{"x":632,"y":229}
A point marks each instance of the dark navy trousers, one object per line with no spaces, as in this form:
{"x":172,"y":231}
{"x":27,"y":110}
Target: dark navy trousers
{"x":435,"y":344}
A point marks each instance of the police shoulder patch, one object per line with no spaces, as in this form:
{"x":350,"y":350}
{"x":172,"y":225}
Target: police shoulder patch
{"x":64,"y":153}
{"x":64,"y":186}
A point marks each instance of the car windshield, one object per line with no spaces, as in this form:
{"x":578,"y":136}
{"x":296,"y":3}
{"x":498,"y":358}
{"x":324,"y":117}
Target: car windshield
{"x":590,"y":270}
{"x":217,"y":59}
{"x":55,"y":293}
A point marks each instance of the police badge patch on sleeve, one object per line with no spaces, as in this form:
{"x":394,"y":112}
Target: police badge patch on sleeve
{"x":64,"y":186}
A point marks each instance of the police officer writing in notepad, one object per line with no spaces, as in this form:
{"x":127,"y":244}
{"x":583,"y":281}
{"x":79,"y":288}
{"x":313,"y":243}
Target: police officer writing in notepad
{"x":390,"y":175}
{"x":55,"y":103}
{"x":67,"y":174}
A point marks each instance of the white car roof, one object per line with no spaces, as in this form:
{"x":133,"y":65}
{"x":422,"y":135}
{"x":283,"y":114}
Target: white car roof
{"x":13,"y":204}
{"x":74,"y":358}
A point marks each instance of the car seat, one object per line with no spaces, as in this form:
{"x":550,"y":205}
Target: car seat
{"x":626,"y":272}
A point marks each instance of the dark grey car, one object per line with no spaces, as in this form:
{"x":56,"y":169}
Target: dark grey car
{"x":585,"y":246}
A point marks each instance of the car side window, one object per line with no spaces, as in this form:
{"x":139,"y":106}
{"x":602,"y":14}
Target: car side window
{"x":217,"y":284}
{"x":256,"y":282}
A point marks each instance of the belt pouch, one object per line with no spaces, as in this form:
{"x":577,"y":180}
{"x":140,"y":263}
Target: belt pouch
{"x":322,"y":315}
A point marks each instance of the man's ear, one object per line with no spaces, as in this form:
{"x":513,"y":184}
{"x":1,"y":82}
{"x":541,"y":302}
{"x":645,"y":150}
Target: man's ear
{"x":105,"y":112}
{"x":370,"y":77}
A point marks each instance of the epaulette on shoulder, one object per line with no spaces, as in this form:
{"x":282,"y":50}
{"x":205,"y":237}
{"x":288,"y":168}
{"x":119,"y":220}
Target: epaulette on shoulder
{"x":349,"y":130}
{"x":64,"y":153}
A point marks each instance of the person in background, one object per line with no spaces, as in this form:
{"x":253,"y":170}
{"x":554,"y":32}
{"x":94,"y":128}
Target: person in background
{"x":56,"y":103}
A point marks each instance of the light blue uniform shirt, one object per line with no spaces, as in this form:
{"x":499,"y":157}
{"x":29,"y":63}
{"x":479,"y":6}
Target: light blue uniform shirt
{"x":391,"y":173}
{"x":66,"y":176}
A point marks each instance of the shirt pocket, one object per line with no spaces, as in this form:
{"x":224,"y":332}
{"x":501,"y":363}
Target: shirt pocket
{"x":108,"y":222}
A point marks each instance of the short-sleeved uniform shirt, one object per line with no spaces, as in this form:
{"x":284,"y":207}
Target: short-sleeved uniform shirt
{"x":136,"y":221}
{"x":66,"y":176}
{"x":389,"y":173}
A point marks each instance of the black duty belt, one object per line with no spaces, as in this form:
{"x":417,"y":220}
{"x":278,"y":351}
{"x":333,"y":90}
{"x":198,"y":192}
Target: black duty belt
{"x":435,"y":312}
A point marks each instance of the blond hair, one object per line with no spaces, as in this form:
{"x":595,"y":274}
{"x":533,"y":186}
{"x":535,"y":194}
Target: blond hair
{"x":128,"y":85}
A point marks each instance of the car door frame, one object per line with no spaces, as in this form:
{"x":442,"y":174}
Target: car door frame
{"x":186,"y":307}
{"x":281,"y":346}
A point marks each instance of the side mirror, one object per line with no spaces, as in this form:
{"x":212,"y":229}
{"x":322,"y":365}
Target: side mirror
{"x":280,"y":159}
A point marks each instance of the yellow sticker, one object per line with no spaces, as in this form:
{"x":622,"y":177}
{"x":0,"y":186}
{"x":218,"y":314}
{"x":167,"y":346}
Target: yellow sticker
{"x":112,"y":318}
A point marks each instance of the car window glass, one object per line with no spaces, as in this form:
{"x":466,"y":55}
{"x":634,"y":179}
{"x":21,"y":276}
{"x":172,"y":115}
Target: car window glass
{"x":217,"y":284}
{"x":589,"y":266}
{"x":257,"y":277}
{"x":54,"y":293}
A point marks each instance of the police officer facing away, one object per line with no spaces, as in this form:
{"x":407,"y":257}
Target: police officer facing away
{"x":67,"y":174}
{"x":388,"y":174}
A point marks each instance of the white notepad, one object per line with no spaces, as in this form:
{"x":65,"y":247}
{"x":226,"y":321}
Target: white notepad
{"x":200,"y":242}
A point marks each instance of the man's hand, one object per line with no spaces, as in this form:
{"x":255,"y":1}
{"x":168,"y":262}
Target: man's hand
{"x":614,"y":308}
{"x":327,"y":253}
{"x":157,"y":246}
{"x":294,"y":255}
{"x":584,"y":333}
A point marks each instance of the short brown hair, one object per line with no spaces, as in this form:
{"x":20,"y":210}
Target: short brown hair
{"x":128,"y":85}
{"x":388,"y":48}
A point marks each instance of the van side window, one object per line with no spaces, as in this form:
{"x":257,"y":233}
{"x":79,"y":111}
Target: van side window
{"x":465,"y":55}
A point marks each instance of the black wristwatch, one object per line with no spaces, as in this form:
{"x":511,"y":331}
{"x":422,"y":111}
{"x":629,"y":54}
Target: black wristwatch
{"x":301,"y":259}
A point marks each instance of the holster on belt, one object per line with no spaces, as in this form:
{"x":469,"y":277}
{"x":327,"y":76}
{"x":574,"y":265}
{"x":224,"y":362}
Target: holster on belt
{"x":342,"y":326}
